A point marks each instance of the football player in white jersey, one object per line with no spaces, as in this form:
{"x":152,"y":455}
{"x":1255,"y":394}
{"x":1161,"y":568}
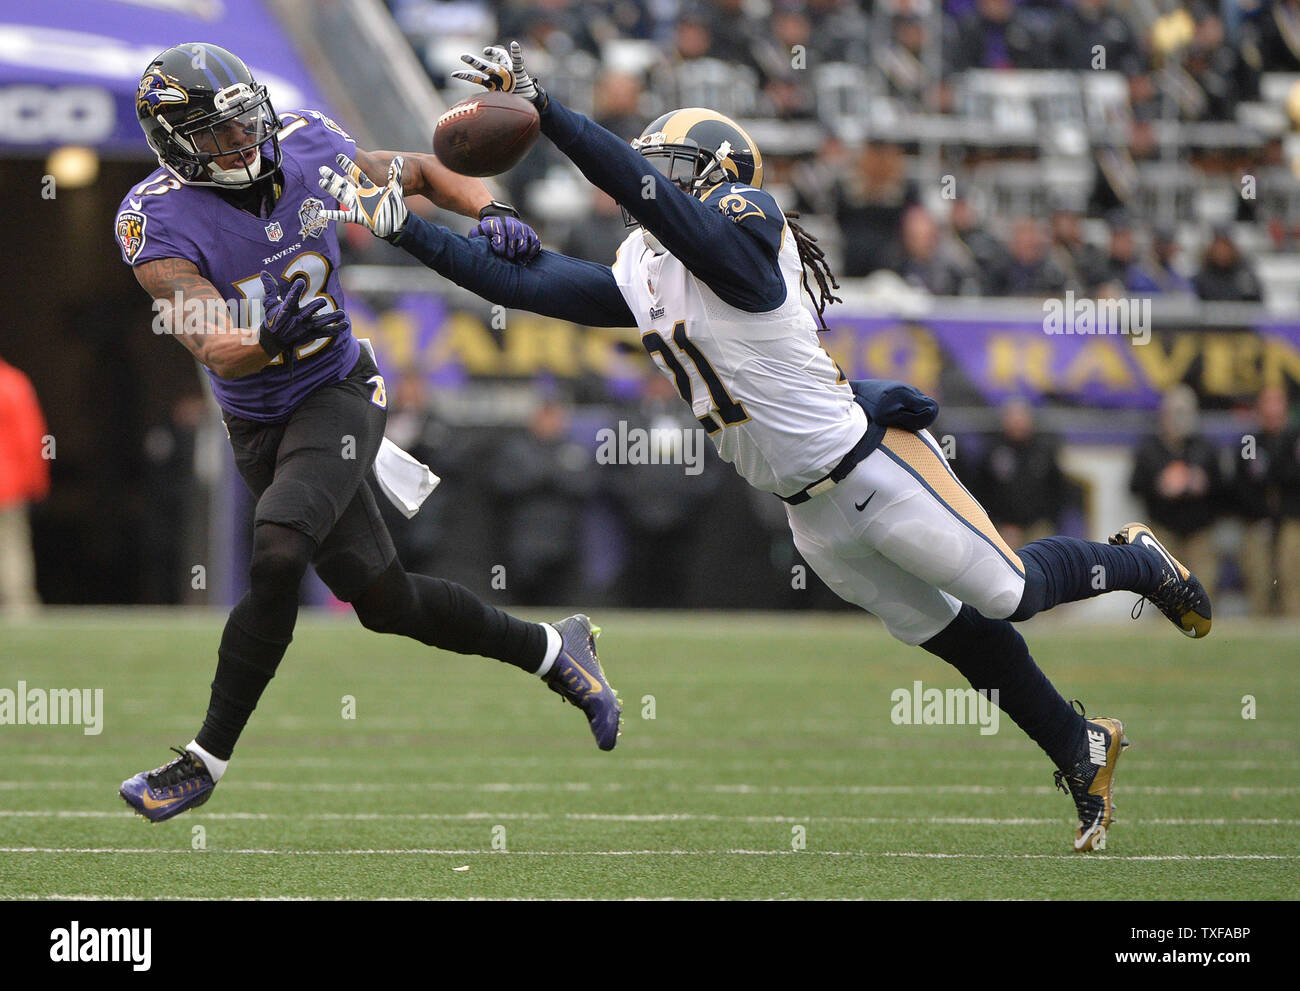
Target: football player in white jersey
{"x":713,"y":274}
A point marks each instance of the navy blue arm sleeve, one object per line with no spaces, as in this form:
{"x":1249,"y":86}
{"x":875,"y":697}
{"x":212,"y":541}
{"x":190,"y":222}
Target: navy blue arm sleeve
{"x":736,"y":264}
{"x":551,"y":284}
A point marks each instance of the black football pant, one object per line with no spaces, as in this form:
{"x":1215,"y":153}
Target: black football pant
{"x":315,"y":506}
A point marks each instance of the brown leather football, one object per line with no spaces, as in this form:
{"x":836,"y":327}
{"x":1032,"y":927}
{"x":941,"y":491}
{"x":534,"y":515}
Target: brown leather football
{"x":487,"y":134}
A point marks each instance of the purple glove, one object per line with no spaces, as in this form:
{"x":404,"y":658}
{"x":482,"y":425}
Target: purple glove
{"x":286,"y":323}
{"x":510,"y":238}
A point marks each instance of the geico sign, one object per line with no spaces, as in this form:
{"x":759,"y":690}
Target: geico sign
{"x":73,"y":114}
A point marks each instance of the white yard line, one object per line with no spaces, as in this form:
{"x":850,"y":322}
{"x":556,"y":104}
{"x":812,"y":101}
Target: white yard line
{"x":416,"y":898}
{"x":259,"y":763}
{"x":736,"y":789}
{"x":433,"y":852}
{"x":624,"y":817}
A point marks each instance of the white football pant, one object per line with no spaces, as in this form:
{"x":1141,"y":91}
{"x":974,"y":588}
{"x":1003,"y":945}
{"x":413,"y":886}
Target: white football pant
{"x":918,"y":546}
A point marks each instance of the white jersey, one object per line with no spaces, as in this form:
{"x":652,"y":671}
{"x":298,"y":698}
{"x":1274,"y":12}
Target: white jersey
{"x":769,"y":395}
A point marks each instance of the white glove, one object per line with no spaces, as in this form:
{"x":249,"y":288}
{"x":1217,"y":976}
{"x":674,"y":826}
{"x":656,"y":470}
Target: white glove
{"x":379,"y":208}
{"x":503,"y":71}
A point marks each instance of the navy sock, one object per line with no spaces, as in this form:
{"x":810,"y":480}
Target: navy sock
{"x":1066,"y":569}
{"x":991,"y":654}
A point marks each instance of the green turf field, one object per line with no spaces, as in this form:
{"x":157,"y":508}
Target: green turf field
{"x":762,"y":724}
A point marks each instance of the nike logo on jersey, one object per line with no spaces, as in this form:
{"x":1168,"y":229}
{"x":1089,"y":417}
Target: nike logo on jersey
{"x":860,"y":506}
{"x":1097,"y":746}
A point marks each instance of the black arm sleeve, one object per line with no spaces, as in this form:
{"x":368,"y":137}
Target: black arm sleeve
{"x":551,"y":284}
{"x":730,"y":259}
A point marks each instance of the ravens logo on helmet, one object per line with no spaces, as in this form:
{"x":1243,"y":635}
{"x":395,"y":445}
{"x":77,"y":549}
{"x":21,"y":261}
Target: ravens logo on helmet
{"x":207,"y":119}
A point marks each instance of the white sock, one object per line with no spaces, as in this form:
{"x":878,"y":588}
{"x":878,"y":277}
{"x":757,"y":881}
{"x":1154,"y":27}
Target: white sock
{"x":215,"y":765}
{"x":553,"y":645}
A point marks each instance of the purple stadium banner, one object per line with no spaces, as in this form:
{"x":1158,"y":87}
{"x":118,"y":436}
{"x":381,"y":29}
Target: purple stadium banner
{"x":984,"y":360}
{"x":999,"y":359}
{"x":69,"y":69}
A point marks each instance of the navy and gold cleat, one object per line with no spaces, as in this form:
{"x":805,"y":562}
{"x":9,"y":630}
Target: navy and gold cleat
{"x":182,"y":784}
{"x":1180,"y":596}
{"x":1091,"y":780}
{"x":578,"y":678}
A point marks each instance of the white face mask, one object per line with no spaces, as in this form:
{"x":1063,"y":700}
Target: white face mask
{"x":231,"y":177}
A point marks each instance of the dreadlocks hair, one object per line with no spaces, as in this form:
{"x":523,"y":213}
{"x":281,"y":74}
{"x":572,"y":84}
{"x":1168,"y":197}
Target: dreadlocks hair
{"x":813,"y":259}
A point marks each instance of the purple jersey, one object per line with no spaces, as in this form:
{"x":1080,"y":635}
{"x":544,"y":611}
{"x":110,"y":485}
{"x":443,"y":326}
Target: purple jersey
{"x":161,"y":218}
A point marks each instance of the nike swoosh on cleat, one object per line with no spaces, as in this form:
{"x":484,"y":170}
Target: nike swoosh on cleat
{"x":860,"y":506}
{"x":1146,"y":540}
{"x":595,"y":685}
{"x":153,"y":803}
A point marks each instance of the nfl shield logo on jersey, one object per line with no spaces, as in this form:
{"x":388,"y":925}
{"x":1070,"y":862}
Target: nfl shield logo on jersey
{"x":310,"y":216}
{"x":273,"y":231}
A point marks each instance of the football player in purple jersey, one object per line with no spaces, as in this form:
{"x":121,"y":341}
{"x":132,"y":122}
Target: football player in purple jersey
{"x":233,"y":222}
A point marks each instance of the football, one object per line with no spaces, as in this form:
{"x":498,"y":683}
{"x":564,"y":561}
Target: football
{"x":486,"y":135}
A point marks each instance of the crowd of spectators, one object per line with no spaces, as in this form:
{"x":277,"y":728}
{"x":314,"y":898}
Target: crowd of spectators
{"x":810,"y":77}
{"x":1206,"y":55}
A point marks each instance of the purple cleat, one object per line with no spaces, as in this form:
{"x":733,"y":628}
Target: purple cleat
{"x":578,"y":678}
{"x":182,"y":784}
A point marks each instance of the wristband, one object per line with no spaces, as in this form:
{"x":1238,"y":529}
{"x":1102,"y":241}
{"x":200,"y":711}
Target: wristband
{"x":498,"y":209}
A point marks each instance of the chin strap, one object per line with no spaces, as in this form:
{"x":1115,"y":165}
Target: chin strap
{"x":230,"y":177}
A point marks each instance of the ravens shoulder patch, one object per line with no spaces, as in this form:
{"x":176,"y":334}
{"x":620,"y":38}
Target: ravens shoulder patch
{"x":130,"y":233}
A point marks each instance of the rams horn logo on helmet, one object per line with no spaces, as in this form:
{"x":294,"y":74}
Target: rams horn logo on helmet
{"x":699,"y":150}
{"x":157,"y":91}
